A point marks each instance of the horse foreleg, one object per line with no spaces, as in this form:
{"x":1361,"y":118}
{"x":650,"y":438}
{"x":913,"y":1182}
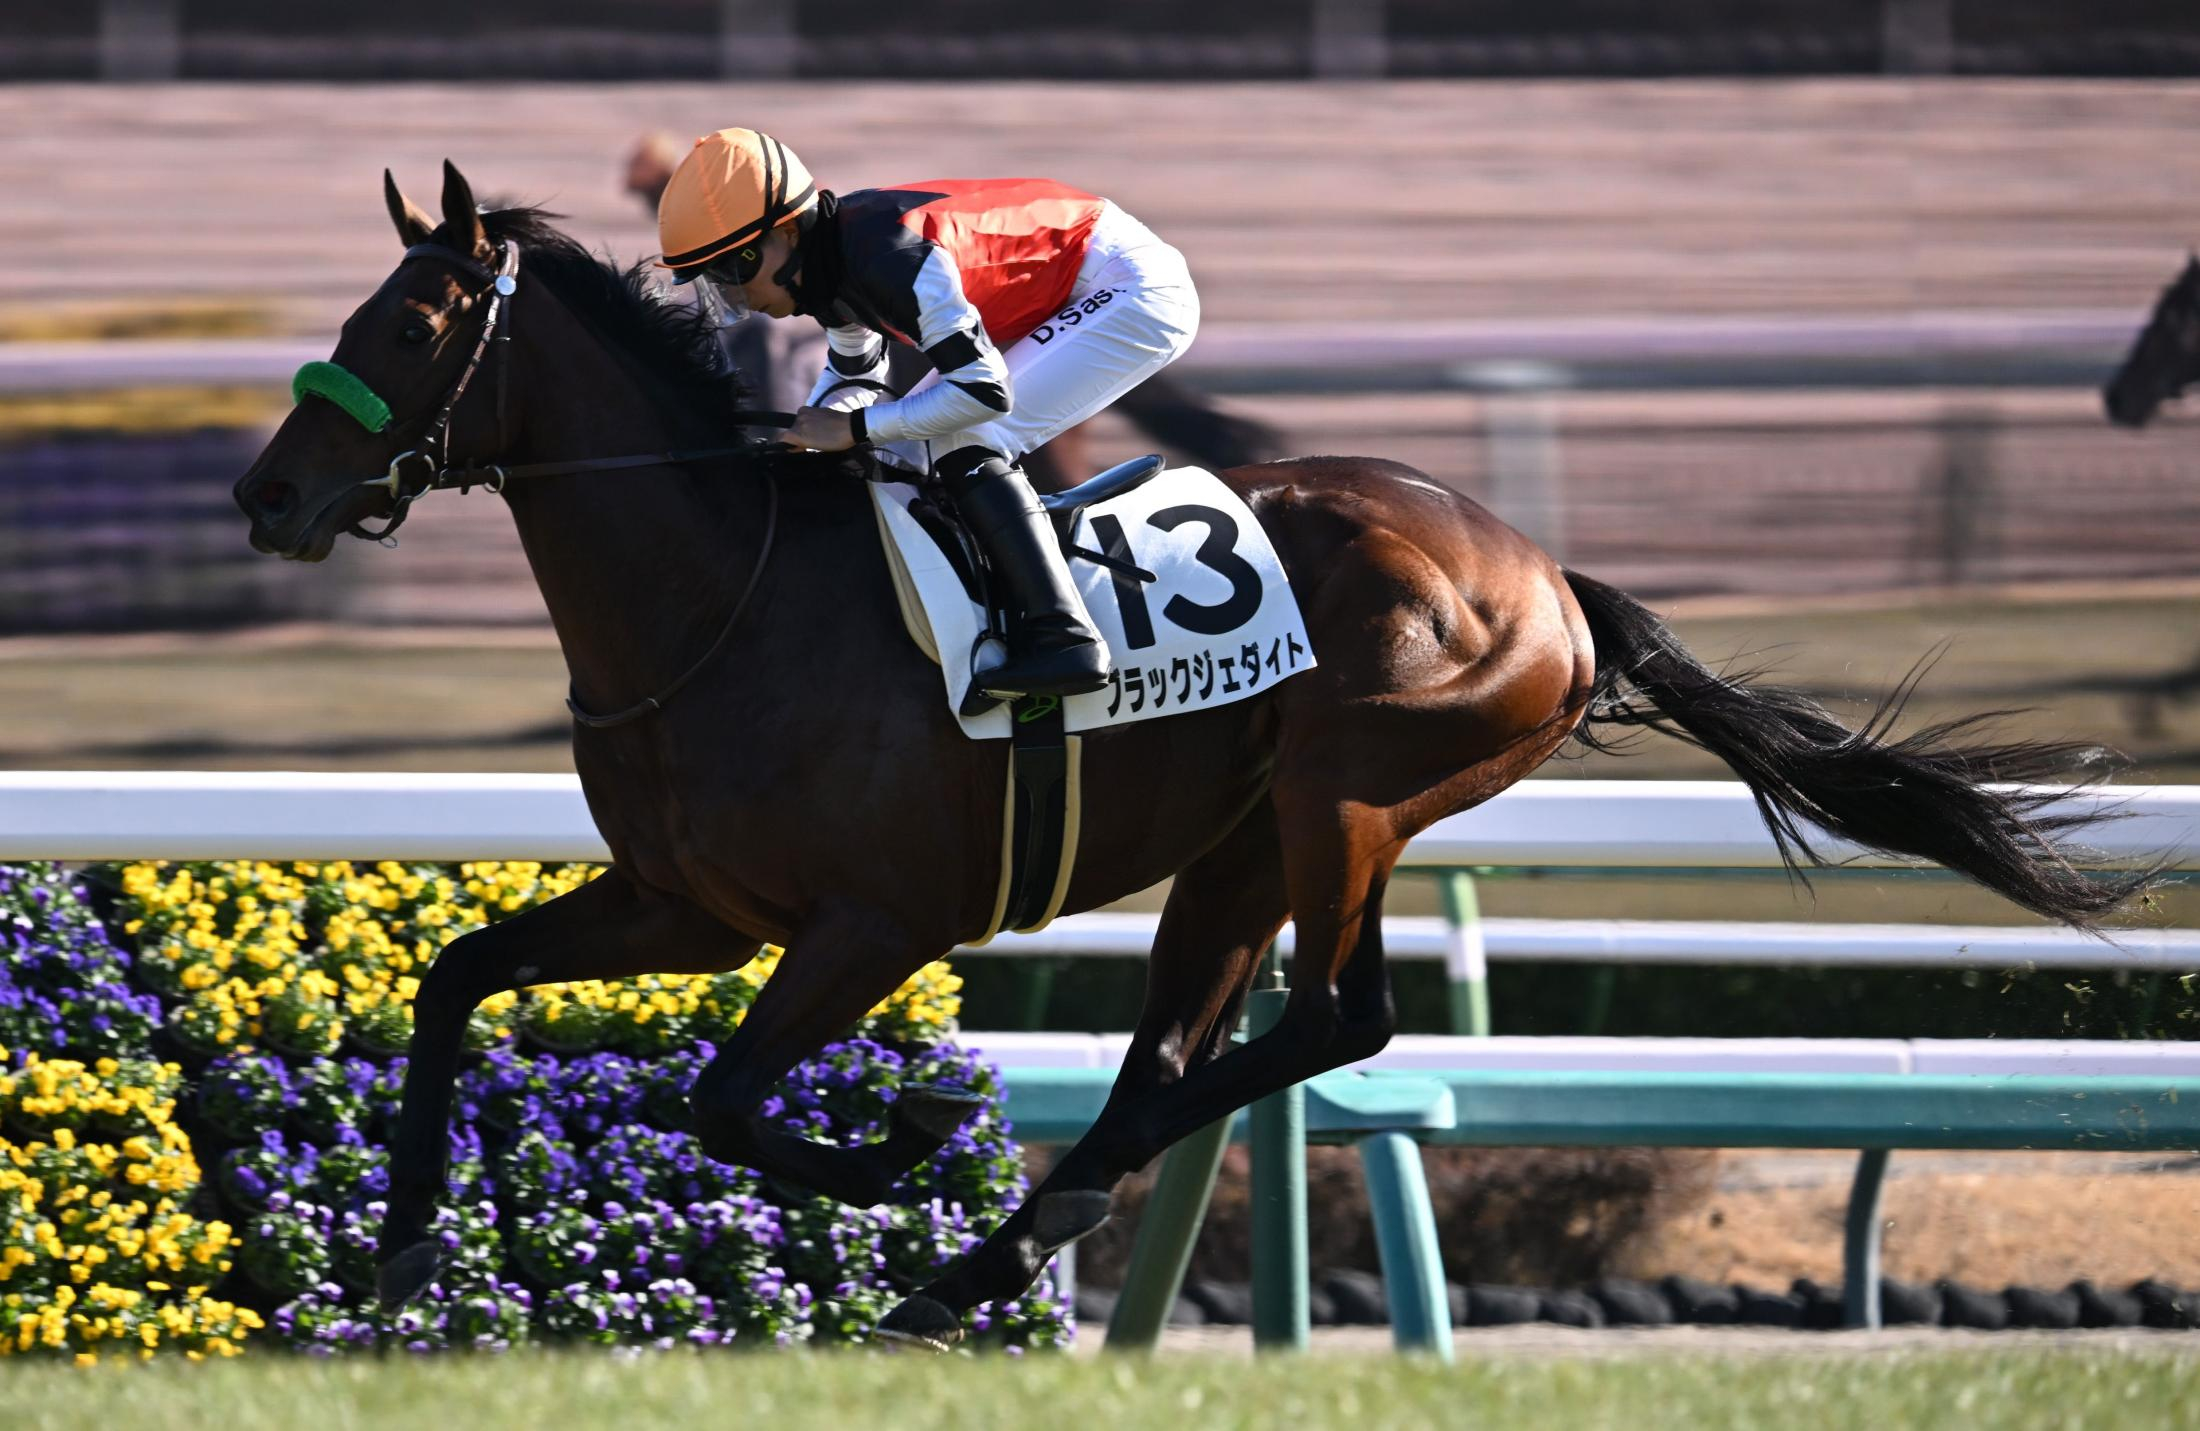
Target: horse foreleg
{"x":843,"y":962}
{"x":1222,"y":912}
{"x":608,"y":928}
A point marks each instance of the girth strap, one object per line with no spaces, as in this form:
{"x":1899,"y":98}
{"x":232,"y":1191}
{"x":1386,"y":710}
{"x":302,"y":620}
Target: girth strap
{"x":1039,"y":756}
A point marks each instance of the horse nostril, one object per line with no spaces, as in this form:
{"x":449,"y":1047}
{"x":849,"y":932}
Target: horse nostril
{"x":275,"y":498}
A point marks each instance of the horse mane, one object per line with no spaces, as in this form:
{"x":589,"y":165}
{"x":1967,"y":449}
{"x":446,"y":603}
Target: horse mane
{"x":676,"y":343}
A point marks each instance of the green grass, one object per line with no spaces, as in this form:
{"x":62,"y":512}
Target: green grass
{"x":2035,"y":1387}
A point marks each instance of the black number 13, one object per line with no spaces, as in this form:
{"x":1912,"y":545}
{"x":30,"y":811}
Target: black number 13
{"x":1217,"y":552}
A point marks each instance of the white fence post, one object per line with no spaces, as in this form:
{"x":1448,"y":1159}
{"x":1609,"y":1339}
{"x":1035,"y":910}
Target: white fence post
{"x":757,"y":39}
{"x":140,"y":39}
{"x":1348,"y":40}
{"x":1917,"y":37}
{"x":1520,"y":438}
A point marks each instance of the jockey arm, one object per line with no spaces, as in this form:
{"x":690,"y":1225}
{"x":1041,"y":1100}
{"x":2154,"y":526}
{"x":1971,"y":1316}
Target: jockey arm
{"x":973,"y":386}
{"x":855,"y":357}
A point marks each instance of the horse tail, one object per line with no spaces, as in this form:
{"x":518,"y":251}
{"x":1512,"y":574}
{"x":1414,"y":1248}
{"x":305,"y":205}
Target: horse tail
{"x":1925,"y":795}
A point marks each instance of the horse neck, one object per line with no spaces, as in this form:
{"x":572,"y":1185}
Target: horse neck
{"x":638,"y":569}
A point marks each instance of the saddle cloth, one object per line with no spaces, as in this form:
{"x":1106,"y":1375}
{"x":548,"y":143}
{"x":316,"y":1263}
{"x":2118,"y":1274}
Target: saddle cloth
{"x":1218,"y":623}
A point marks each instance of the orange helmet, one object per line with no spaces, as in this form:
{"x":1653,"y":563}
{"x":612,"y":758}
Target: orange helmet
{"x":734,"y":187}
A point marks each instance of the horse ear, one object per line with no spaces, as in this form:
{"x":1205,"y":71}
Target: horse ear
{"x":413,"y":226}
{"x":461,"y":218}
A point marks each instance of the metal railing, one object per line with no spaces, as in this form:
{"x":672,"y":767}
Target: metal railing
{"x":1550,"y":824}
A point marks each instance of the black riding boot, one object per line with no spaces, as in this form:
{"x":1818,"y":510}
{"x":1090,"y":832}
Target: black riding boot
{"x":1053,"y":650}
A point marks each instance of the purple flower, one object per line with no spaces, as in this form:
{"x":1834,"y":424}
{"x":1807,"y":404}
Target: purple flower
{"x":577,"y":1172}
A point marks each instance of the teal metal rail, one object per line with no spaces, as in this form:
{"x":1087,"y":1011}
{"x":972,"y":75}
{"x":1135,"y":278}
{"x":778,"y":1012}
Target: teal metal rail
{"x":1673,"y":829}
{"x":1801,"y":1110}
{"x":1385,"y":1113}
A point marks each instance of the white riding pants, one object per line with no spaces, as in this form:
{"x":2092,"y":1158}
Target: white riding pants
{"x":1132,"y":311}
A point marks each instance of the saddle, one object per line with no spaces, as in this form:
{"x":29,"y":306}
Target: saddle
{"x":1186,"y":589}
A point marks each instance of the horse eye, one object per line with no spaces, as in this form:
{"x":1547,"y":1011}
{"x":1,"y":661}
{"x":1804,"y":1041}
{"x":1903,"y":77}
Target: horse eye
{"x":416,"y":332}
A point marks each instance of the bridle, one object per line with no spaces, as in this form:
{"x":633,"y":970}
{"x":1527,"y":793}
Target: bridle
{"x":431,"y":459}
{"x":434,"y":452}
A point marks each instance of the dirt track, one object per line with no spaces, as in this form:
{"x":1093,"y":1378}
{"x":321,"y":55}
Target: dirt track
{"x":1984,"y":1219}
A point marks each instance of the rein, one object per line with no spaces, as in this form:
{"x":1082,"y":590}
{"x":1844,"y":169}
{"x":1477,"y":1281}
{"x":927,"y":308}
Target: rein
{"x":349,"y":392}
{"x":652,"y":704}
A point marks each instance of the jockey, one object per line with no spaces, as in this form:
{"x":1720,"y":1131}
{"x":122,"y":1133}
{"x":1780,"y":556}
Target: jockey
{"x":1035,"y":304}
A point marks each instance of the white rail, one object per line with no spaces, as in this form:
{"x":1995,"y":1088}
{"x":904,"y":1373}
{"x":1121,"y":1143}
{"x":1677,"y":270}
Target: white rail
{"x":1421,"y":1053}
{"x":87,"y":815}
{"x":1659,"y":941}
{"x":278,"y":815}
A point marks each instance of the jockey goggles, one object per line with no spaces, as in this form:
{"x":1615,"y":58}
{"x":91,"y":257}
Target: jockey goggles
{"x":721,"y":297}
{"x":721,"y":291}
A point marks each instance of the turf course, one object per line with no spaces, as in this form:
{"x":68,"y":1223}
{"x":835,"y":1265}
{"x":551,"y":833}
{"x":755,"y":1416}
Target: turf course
{"x":2033,"y":1387}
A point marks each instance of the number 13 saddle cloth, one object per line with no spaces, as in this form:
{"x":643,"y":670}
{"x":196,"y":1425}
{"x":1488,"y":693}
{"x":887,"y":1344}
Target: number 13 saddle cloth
{"x":1218,"y":622}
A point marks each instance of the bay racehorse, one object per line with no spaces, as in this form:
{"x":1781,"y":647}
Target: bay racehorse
{"x":783,"y":766}
{"x":2164,"y":359}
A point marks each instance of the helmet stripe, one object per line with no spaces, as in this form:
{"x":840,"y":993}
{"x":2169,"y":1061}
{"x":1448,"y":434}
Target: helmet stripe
{"x":778,"y":166}
{"x":775,"y":176}
{"x":715,"y":247}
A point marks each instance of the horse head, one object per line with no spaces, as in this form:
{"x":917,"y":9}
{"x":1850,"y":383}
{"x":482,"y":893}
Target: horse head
{"x":393,"y":388}
{"x":2166,"y":357}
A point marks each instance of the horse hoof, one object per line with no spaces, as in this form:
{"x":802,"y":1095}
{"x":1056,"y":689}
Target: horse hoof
{"x":936,"y":1112}
{"x":1061,"y":1218}
{"x":403,"y":1277}
{"x":921,"y":1324}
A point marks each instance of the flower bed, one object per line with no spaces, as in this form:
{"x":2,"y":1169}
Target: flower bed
{"x":579,"y":1207}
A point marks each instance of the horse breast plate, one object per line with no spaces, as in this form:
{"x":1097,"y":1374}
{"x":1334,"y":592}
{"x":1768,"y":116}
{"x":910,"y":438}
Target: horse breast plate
{"x":1218,"y":624}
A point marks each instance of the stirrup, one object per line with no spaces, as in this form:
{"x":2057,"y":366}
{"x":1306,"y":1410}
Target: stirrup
{"x":977,"y":700}
{"x":981,"y":697}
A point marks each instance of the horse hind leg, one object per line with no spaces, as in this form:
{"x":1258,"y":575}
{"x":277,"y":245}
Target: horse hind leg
{"x":1221,"y":913}
{"x":1327,"y":1022}
{"x":1178,"y":1077}
{"x":1355,"y":779}
{"x":1337,"y":861}
{"x":840,"y":965}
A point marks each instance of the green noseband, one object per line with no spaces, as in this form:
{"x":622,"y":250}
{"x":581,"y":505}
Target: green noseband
{"x":344,"y":388}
